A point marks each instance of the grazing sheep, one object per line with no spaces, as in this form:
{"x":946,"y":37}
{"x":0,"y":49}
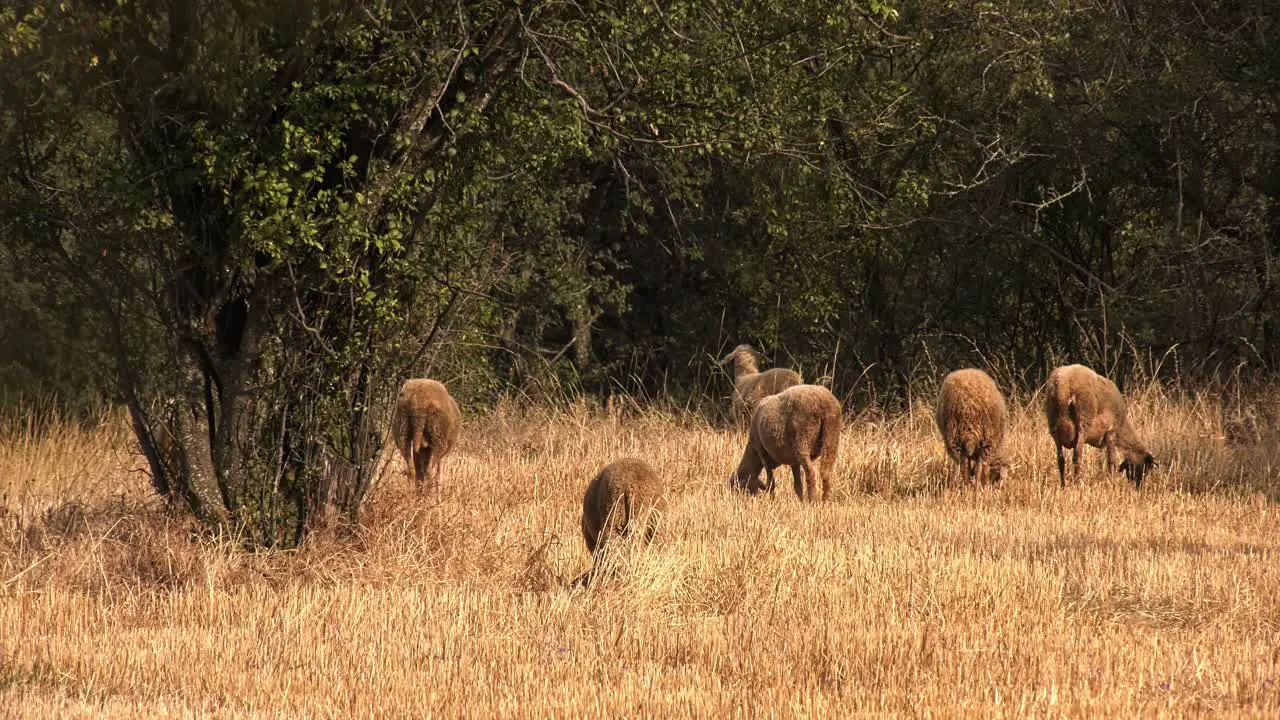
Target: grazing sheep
{"x":750,"y":386}
{"x":1252,"y":422}
{"x":1082,"y":406}
{"x":626,"y":496}
{"x":794,"y":427}
{"x":972,"y":418}
{"x":426,"y":426}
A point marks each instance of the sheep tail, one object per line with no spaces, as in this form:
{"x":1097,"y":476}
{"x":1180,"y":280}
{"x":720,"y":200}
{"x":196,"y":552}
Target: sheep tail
{"x":826,"y":429}
{"x":417,"y":432}
{"x":410,"y":431}
{"x":1073,"y":412}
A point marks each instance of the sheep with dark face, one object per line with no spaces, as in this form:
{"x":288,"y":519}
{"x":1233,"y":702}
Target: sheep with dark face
{"x":972,"y":417}
{"x":750,"y":386}
{"x":625,"y":497}
{"x":426,"y":424}
{"x":1081,"y":406}
{"x":796,"y":427}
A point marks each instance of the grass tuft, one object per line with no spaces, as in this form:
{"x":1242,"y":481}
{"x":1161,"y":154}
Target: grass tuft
{"x":906,"y":592}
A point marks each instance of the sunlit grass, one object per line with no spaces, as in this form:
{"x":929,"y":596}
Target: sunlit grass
{"x":904,"y":595}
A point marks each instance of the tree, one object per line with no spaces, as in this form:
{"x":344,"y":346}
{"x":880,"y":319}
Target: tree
{"x":252,"y":194}
{"x":279,"y":207}
{"x":277,"y":211}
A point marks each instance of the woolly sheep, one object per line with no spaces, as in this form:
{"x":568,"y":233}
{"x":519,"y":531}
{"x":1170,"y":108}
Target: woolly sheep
{"x":1251,"y":423}
{"x":427,"y":424}
{"x":971,"y":416}
{"x":626,"y":496}
{"x":750,"y":386}
{"x":1082,"y":406}
{"x":795,"y":427}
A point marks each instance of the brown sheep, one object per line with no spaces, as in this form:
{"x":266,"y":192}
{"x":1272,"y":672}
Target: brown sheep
{"x":626,"y":496}
{"x":1250,"y":423}
{"x":794,"y":427}
{"x":971,"y":416}
{"x":750,"y":386}
{"x":1082,"y":406}
{"x":427,"y":423}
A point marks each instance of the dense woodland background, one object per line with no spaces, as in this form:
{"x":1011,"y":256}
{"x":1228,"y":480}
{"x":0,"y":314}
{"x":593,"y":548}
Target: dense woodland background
{"x":248,"y":221}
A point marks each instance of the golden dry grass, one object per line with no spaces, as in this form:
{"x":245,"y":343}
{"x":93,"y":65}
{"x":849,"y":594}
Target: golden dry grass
{"x":903,"y":596}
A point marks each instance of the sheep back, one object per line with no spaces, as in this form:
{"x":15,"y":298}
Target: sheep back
{"x":626,"y":496}
{"x":751,"y":389}
{"x":1079,"y":401}
{"x":800,"y":423}
{"x":972,"y":417}
{"x":426,"y":413}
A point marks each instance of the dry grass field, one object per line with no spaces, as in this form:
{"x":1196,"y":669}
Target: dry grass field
{"x":903,"y":596}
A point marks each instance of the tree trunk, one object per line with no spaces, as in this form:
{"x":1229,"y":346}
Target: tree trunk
{"x":234,"y":435}
{"x":200,"y":484}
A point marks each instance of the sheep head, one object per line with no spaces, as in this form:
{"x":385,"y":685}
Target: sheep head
{"x":996,"y":465}
{"x":745,"y":482}
{"x":744,"y":359}
{"x":1136,"y":466}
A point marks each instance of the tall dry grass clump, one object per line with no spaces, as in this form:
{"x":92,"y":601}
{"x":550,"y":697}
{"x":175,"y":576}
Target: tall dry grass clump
{"x":905,"y":594}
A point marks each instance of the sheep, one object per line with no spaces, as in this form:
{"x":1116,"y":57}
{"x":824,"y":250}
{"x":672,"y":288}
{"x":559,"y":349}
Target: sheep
{"x":1082,"y":406}
{"x":1250,"y":423}
{"x":426,"y":426}
{"x":971,"y":416}
{"x":626,"y":496}
{"x":750,"y":386}
{"x":795,"y":427}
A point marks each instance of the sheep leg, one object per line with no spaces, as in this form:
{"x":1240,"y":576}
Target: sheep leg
{"x":409,"y":447}
{"x":417,"y":470}
{"x":768,"y":466}
{"x":1109,"y":447}
{"x":1062,"y":465}
{"x":992,"y":478}
{"x":422,"y":468}
{"x":824,"y":474}
{"x":797,"y":480}
{"x":407,"y":453}
{"x":1075,"y":454}
{"x":811,"y":479}
{"x":651,"y":527}
{"x":435,"y":477}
